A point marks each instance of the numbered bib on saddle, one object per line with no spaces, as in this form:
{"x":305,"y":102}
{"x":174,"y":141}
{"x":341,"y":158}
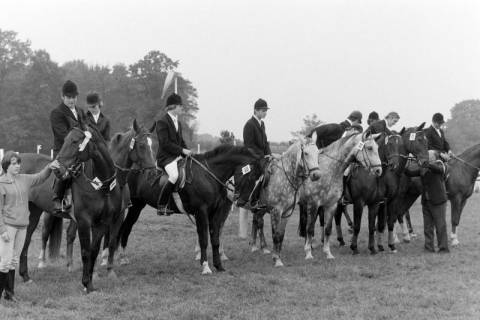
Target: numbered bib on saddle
{"x":246,"y":169}
{"x":412,"y":136}
{"x":360,"y":146}
{"x":85,"y":141}
{"x":113,"y":184}
{"x":132,"y":143}
{"x":96,"y":183}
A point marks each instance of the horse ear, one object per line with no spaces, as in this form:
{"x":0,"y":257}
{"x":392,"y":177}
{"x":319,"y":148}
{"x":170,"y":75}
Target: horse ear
{"x":366,"y":135}
{"x":153,"y":127}
{"x":421,"y":126}
{"x":135,"y":125}
{"x":402,"y":131}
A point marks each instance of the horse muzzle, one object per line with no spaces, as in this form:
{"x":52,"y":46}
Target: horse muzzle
{"x":315,"y":174}
{"x":377,"y":171}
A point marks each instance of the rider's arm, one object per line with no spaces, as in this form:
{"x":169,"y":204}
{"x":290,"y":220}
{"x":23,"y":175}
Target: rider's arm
{"x":164,"y":142}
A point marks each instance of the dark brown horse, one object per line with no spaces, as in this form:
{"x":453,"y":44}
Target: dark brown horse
{"x":130,"y":149}
{"x":97,"y":198}
{"x":204,"y":195}
{"x":462,"y":174}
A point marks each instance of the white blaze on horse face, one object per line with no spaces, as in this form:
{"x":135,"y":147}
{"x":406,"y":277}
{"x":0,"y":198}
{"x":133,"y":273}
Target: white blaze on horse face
{"x":85,"y":141}
{"x":132,"y":143}
{"x":150,"y":143}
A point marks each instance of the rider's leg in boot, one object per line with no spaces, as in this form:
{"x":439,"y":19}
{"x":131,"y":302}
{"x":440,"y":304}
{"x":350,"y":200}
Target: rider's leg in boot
{"x":346,"y":197}
{"x":162,"y":205}
{"x":59,"y":190}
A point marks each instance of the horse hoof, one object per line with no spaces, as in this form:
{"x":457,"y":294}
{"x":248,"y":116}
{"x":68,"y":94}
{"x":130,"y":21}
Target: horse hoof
{"x":254,"y":248}
{"x":206,"y":269}
{"x":266,"y":251}
{"x":220,"y":268}
{"x":341,"y":243}
{"x":42,"y":265}
{"x":330,"y":257}
{"x":309,"y":256}
{"x":198,"y":256}
{"x":278,"y":263}
{"x":392,"y":248}
{"x":455,"y":242}
{"x":381,"y":248}
{"x":223,"y":257}
{"x":104,"y":262}
{"x":413,"y":235}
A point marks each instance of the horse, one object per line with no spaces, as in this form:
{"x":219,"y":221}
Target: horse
{"x":129,"y":149}
{"x":285,"y":174}
{"x":461,"y":176}
{"x":204,"y":194}
{"x":97,"y":200}
{"x":321,"y":197}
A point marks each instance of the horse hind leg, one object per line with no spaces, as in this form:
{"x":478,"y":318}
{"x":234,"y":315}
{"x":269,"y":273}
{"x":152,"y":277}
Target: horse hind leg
{"x":34,"y":218}
{"x":71,"y":234}
{"x":261,"y":235}
{"x":329,"y":212}
{"x":253,"y":235}
{"x":338,"y":222}
{"x":48,"y":221}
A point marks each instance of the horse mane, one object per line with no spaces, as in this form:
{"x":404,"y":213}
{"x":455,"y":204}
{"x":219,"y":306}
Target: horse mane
{"x":224,"y":149}
{"x":470,"y":152}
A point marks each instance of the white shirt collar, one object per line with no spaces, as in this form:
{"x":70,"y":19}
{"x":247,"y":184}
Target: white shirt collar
{"x":174,"y":118}
{"x":95,"y":117}
{"x":259,"y":120}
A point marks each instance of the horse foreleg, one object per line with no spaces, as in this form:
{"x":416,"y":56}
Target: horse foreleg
{"x":84,"y":232}
{"x":372,"y":215}
{"x":457,"y":204}
{"x":409,"y":225}
{"x":381,"y":223}
{"x":48,"y":220}
{"x":105,"y":251}
{"x":310,"y":228}
{"x":202,"y":232}
{"x":71,"y":234}
{"x":34,"y":218}
{"x":98,"y":231}
{"x":261,"y":234}
{"x":328,"y":212}
{"x":391,"y":218}
{"x":221,"y":250}
{"x":357,"y":222}
{"x":111,"y":240}
{"x":278,"y":232}
{"x":338,"y":222}
{"x":215,"y":243}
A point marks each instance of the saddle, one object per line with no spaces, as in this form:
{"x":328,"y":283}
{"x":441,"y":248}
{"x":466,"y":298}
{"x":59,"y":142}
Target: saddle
{"x":160,"y":176}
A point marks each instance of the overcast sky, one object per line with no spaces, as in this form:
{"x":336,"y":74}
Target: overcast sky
{"x":302,"y":57}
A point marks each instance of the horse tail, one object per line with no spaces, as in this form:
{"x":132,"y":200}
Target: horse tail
{"x":55,"y":237}
{"x":302,"y":222}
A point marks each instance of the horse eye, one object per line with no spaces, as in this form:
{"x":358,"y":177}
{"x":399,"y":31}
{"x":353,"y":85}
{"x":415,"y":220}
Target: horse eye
{"x":369,"y":148}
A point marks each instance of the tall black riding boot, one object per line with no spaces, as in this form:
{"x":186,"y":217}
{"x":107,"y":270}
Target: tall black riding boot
{"x":3,"y":282}
{"x":59,"y":190}
{"x":10,"y":286}
{"x":162,"y":204}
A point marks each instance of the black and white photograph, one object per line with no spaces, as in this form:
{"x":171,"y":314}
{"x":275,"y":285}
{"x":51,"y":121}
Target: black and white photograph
{"x":204,"y":160}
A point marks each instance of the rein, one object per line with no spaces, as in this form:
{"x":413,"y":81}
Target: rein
{"x":201,"y":165}
{"x":465,"y":162}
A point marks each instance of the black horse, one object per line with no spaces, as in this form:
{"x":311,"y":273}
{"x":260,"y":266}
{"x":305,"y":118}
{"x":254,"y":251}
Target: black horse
{"x":204,"y":194}
{"x":97,"y":199}
{"x":129,"y":149}
{"x":462,"y":173}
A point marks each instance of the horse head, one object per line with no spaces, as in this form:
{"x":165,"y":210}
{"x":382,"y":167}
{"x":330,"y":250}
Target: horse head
{"x":133,"y":147}
{"x":81,"y":144}
{"x":246,"y":177}
{"x":416,"y":143}
{"x":395,"y":151}
{"x":366,"y":151}
{"x":306,"y":158}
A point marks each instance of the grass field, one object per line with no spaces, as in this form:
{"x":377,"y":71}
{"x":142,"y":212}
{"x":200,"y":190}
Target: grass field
{"x":164,"y":282}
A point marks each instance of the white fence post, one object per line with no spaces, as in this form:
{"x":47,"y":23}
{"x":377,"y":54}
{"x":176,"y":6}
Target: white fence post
{"x":39,"y":147}
{"x":51,"y":153}
{"x":1,"y":153}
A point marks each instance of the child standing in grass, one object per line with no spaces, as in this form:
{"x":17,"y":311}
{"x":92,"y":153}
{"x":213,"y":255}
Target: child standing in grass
{"x":14,"y":218}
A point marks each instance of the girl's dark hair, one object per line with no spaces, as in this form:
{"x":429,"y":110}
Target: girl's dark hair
{"x":7,"y":158}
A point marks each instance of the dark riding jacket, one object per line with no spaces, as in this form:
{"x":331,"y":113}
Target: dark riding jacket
{"x":329,"y":133}
{"x":103,"y":124}
{"x":433,"y":181}
{"x":62,"y":121}
{"x":254,"y":137}
{"x":379,"y":127}
{"x":170,"y":141}
{"x":435,"y":141}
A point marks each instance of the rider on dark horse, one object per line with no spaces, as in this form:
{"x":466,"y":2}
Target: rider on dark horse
{"x":171,"y":148}
{"x":436,"y":137}
{"x":62,"y":119}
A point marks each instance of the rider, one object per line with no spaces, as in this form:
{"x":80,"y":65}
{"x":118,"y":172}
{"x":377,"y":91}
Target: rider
{"x":254,"y":137}
{"x":95,"y":117}
{"x":434,"y":201}
{"x":171,"y":147}
{"x":62,"y":119}
{"x":372,"y":117}
{"x":436,"y":137}
{"x":383,"y":126}
{"x":330,"y":132}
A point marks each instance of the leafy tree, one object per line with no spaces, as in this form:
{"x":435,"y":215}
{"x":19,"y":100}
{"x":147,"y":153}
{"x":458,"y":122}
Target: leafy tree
{"x":462,"y":129}
{"x":309,"y":122}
